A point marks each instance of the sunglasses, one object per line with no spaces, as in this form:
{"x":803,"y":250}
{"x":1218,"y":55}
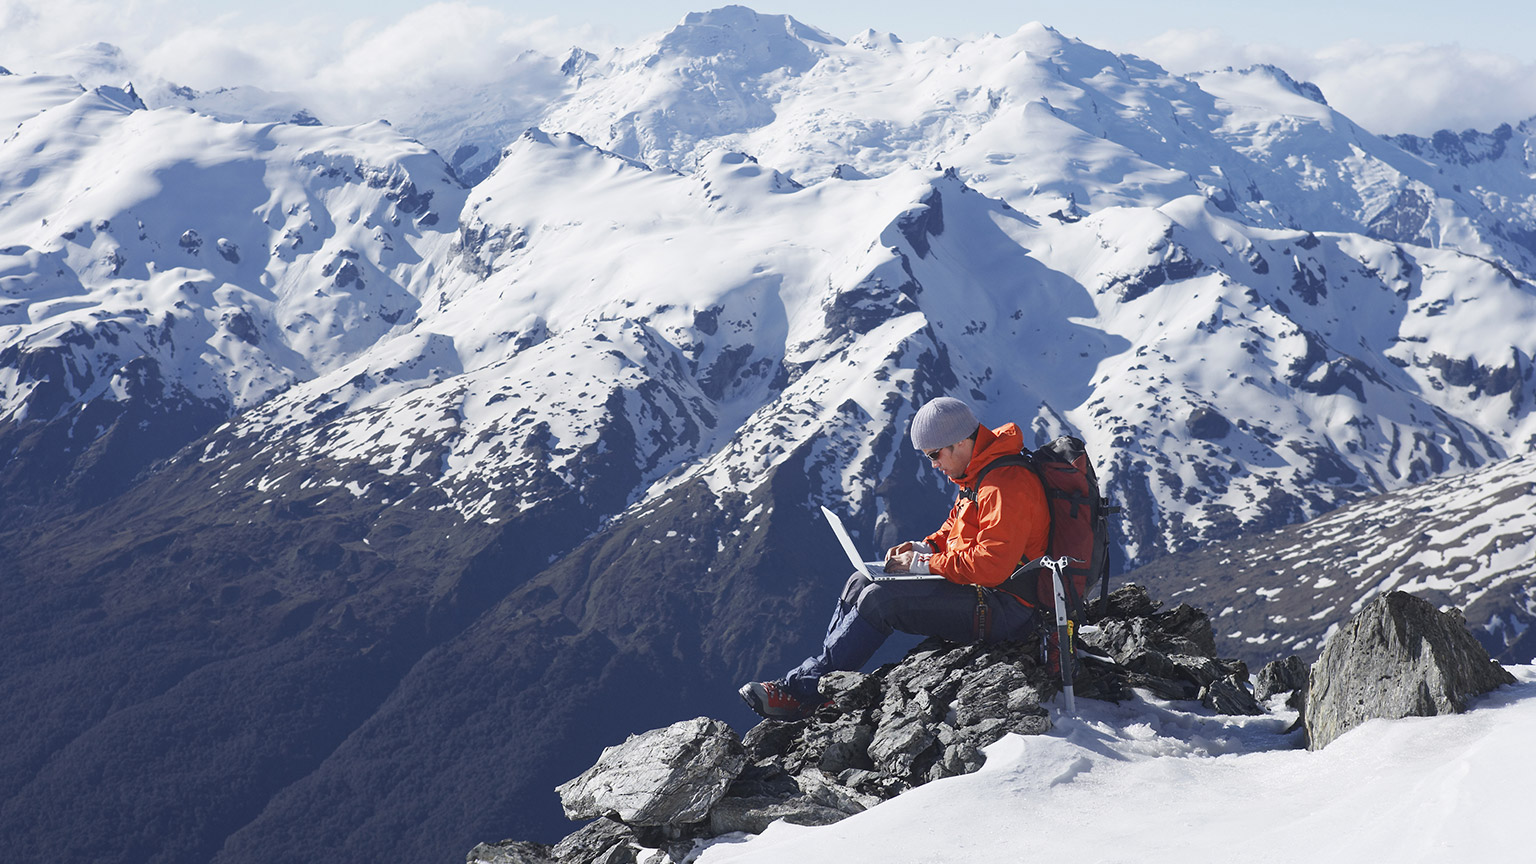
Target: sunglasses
{"x":933,"y":455}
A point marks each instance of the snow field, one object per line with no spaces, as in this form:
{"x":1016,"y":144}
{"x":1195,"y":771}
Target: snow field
{"x":1150,"y":781}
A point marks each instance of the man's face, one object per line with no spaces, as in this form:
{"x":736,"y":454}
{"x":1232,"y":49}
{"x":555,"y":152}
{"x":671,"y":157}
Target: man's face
{"x":952,"y":459}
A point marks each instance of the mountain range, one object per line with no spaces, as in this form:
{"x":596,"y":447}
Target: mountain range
{"x":351,"y":493}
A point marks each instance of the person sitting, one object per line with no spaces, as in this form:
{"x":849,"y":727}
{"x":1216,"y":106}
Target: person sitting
{"x":988,"y":533}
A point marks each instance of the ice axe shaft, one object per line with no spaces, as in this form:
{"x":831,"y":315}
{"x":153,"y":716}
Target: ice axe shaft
{"x":1064,"y":628}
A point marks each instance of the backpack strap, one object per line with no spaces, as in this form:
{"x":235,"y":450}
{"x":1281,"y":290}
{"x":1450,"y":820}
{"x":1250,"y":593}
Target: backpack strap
{"x":1024,"y":459}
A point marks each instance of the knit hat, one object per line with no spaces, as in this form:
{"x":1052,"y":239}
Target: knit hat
{"x":942,"y":422}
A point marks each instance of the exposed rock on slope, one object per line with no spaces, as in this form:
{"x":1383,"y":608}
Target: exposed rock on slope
{"x":878,"y":735}
{"x":1400,"y":657}
{"x":1466,"y":541}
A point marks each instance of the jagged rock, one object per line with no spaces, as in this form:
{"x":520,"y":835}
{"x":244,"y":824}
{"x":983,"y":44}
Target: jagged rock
{"x":988,"y":694}
{"x":847,"y":748}
{"x":1130,"y":601}
{"x":772,"y":738}
{"x":818,"y":787}
{"x":850,"y":691}
{"x":754,"y":815}
{"x":1283,"y":676}
{"x":1400,"y":657}
{"x":665,"y":776}
{"x":899,"y":742}
{"x":1201,"y":670}
{"x":1229,"y":696}
{"x":1192,"y":624}
{"x":925,"y":718}
{"x":592,"y":842}
{"x":511,"y":852}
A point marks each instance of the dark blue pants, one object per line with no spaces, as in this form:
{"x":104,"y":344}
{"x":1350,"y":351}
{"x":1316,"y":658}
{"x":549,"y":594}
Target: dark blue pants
{"x":868,"y":611}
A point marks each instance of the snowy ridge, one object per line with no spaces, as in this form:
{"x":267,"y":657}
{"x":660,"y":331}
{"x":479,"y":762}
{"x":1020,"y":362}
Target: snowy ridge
{"x":1237,"y":373}
{"x":241,"y":259}
{"x":1466,"y":541}
{"x":550,"y":379}
{"x":1412,"y":789}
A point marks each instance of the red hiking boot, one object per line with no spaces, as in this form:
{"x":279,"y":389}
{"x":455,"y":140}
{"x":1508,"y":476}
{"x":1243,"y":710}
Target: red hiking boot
{"x":772,"y":701}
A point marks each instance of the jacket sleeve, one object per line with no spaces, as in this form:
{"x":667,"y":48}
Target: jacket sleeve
{"x":939,"y":540}
{"x":1007,"y":522}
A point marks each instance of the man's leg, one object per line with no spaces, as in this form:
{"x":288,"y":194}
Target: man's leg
{"x":850,"y":641}
{"x":868,"y":611}
{"x":866,"y":614}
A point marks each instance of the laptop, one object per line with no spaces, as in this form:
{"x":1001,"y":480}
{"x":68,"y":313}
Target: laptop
{"x":875,"y":570}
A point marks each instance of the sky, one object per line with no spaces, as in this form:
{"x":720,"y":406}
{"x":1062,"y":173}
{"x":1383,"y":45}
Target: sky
{"x":1412,"y":66}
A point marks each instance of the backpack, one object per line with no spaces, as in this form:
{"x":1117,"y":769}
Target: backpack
{"x":1079,"y":525}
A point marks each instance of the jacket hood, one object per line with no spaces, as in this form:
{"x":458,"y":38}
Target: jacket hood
{"x":1007,"y":440}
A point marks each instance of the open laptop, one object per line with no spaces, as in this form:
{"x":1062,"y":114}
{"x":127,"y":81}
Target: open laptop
{"x":875,"y":570}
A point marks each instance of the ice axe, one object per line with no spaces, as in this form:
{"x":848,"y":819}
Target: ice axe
{"x":1065,"y":626}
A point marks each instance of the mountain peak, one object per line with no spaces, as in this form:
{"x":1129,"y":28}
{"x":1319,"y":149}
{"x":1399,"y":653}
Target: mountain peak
{"x":753,"y":43}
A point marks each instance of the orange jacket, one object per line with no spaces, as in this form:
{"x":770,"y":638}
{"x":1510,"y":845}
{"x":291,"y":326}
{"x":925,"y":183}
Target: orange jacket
{"x":983,"y":541}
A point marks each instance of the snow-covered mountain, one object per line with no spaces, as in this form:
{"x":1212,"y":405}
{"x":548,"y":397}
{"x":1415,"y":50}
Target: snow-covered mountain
{"x":1254,"y":309}
{"x":292,"y":417}
{"x":1467,"y":541}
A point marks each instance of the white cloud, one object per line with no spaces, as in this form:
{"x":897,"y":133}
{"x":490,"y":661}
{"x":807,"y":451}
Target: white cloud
{"x":1410,"y":87}
{"x":351,"y":70}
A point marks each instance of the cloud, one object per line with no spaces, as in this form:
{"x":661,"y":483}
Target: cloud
{"x":1420,"y":88}
{"x":351,"y":69}
{"x":1389,"y":89}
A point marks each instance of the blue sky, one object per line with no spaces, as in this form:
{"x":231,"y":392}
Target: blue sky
{"x":1409,"y":66}
{"x":1504,"y":26}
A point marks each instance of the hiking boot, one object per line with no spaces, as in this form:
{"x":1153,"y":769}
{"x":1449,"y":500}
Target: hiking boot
{"x":772,"y":700}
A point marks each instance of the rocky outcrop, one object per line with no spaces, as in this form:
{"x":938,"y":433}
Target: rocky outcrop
{"x":1290,"y":675}
{"x":1400,"y":657}
{"x":878,"y":735}
{"x":664,"y":776}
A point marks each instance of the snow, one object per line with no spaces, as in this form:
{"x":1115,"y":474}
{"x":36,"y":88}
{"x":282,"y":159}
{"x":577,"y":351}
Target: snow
{"x":1149,"y":781}
{"x":668,"y":245}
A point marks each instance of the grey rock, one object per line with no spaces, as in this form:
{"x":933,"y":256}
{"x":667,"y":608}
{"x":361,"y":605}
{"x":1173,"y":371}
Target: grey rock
{"x":665,"y":776}
{"x":772,"y":738}
{"x":1229,"y":696}
{"x":986,"y":731}
{"x":824,"y":790}
{"x":1400,"y":657}
{"x":1130,"y":601}
{"x":1201,"y":670}
{"x":1283,"y":676}
{"x":848,"y":748}
{"x":986,"y":693}
{"x":1026,"y":700}
{"x":1031,"y":724}
{"x":1163,"y":688}
{"x":1190,"y":623}
{"x":754,"y":815}
{"x":899,"y":742}
{"x":592,"y":841}
{"x":765,"y":779}
{"x":850,"y":691}
{"x":619,"y":853}
{"x":511,"y":852}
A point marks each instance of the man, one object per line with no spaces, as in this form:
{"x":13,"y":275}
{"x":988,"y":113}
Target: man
{"x":979,"y":546}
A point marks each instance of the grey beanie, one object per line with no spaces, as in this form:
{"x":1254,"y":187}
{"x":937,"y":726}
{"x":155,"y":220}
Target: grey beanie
{"x":942,"y":422}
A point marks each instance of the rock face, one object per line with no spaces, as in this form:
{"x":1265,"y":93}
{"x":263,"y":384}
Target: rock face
{"x":1400,"y":657}
{"x":878,"y":735}
{"x":1290,"y":675}
{"x":660,"y":777}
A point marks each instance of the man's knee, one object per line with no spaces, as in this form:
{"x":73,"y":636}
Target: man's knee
{"x":855,"y":587}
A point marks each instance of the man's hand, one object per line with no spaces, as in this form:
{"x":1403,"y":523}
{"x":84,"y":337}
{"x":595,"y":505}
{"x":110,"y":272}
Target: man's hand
{"x":898,"y":559}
